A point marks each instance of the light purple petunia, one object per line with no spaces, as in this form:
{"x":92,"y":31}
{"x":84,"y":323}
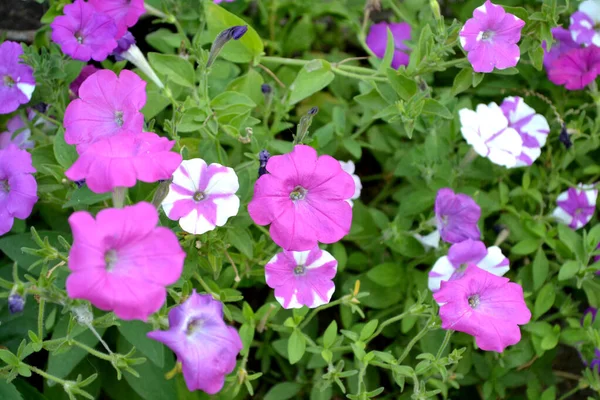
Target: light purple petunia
{"x":576,"y":68}
{"x":460,"y":255}
{"x":16,"y":78}
{"x":585,"y":23}
{"x":204,"y":344}
{"x":17,"y":133}
{"x":302,"y":278}
{"x":533,"y":128}
{"x":563,"y":43}
{"x":490,"y":38}
{"x":576,"y":206}
{"x":123,"y":44}
{"x":202,"y":196}
{"x":124,"y":13}
{"x":220,"y":1}
{"x":456,"y":216}
{"x":18,"y":188}
{"x":84,"y":33}
{"x":377,"y":41}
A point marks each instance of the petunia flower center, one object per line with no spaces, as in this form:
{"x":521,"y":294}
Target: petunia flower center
{"x":299,"y":270}
{"x":473,"y":301}
{"x":110,"y":259}
{"x":79,"y":37}
{"x":194,"y":326}
{"x":4,"y":186}
{"x":119,"y":118}
{"x":298,"y":193}
{"x":488,"y":35}
{"x":199,"y":196}
{"x":8,"y":81}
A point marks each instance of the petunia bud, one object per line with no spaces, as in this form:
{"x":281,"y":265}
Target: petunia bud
{"x":235,"y":33}
{"x":123,"y":44}
{"x":305,"y":122}
{"x":263,"y":157}
{"x":564,"y":137}
{"x":16,"y":303}
{"x":266,"y":88}
{"x":161,"y":192}
{"x":80,"y":183}
{"x":435,"y":9}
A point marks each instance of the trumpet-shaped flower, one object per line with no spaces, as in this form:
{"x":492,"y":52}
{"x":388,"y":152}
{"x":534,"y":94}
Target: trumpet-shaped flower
{"x":16,"y":78}
{"x":302,"y":278}
{"x":124,"y":13}
{"x":576,"y":206}
{"x":204,"y":344}
{"x":378,"y":37}
{"x":490,"y":38}
{"x":121,"y":261}
{"x":303,"y":197}
{"x":202,"y":196}
{"x":456,"y":216}
{"x":576,"y":68}
{"x":460,"y":255}
{"x":485,"y":306}
{"x":585,"y":23}
{"x":563,"y":43}
{"x":17,"y":133}
{"x":349,"y":167}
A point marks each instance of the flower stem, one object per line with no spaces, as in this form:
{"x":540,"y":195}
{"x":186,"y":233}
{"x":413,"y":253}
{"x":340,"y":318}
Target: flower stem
{"x":40,"y":322}
{"x":118,"y":196}
{"x":414,"y":341}
{"x":449,"y":333}
{"x":340,"y":71}
{"x":154,"y":11}
{"x":316,"y":310}
{"x":93,"y":352}
{"x":44,"y":374}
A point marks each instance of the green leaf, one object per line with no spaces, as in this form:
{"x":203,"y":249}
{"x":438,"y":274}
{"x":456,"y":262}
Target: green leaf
{"x":544,"y":300}
{"x":226,"y":100}
{"x":572,"y":240}
{"x":249,"y":84}
{"x":537,"y":57}
{"x":247,"y":335}
{"x":9,"y":358}
{"x":386,"y":274}
{"x":175,"y":68}
{"x":83,"y":196}
{"x":353,"y":147}
{"x":540,"y":269}
{"x":65,"y":153}
{"x":240,"y":239}
{"x":283,"y":391}
{"x":11,"y":246}
{"x":462,"y":81}
{"x":368,"y":329}
{"x":296,"y":346}
{"x":330,"y":334}
{"x":404,"y":86}
{"x":434,"y":107}
{"x":526,"y":246}
{"x":591,"y":287}
{"x":135,"y":333}
{"x":313,"y":77}
{"x":8,"y":391}
{"x":244,"y":50}
{"x":389,"y":51}
{"x":568,"y":270}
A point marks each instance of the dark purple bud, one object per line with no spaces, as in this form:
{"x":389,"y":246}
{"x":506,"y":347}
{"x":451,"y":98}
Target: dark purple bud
{"x":499,"y":228}
{"x":236,"y":32}
{"x":16,"y":303}
{"x":564,"y":137}
{"x":263,"y":157}
{"x":123,"y":44}
{"x":41,"y":107}
{"x":80,"y":183}
{"x":313,"y":111}
{"x":266,"y":88}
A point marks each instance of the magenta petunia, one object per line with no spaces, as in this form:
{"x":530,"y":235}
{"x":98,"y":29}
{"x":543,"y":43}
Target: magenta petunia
{"x":576,"y":206}
{"x":205,"y":345}
{"x":121,"y":261}
{"x":124,"y":13}
{"x":122,"y":160}
{"x":85,"y":73}
{"x":107,"y":105}
{"x":303,"y":197}
{"x":16,"y":78}
{"x":490,"y":38}
{"x":456,"y":216}
{"x":302,"y":278}
{"x":83,"y":33}
{"x":485,"y":306}
{"x":202,"y":197}
{"x":377,"y":41}
{"x":221,"y":1}
{"x":17,"y":133}
{"x":563,"y":43}
{"x":576,"y":68}
{"x":18,"y":188}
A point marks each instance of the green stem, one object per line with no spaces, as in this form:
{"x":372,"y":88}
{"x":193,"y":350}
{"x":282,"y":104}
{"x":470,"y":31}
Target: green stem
{"x":449,"y":333}
{"x":316,"y":310}
{"x":118,"y":197}
{"x":153,"y":11}
{"x":203,"y":284}
{"x":298,"y":62}
{"x":40,"y":322}
{"x":414,"y":341}
{"x":357,"y":76}
{"x":93,"y":352}
{"x":43,"y":373}
{"x":385,"y":323}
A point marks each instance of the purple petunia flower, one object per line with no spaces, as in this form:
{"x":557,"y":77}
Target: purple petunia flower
{"x":490,"y":38}
{"x":16,"y":78}
{"x":85,"y":73}
{"x":564,"y":43}
{"x":204,"y":344}
{"x":302,"y":278}
{"x":124,"y":13}
{"x":576,"y":207}
{"x":457,"y":216}
{"x":18,"y":188}
{"x":18,"y":133}
{"x":220,"y":1}
{"x":585,"y":23}
{"x":123,"y":44}
{"x":83,"y":33}
{"x":576,"y":68}
{"x":377,"y":41}
{"x":460,"y":255}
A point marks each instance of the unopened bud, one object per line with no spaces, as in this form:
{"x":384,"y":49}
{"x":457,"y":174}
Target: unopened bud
{"x":305,"y":122}
{"x":564,"y":137}
{"x":266,"y":88}
{"x":263,"y":157}
{"x":435,"y":9}
{"x":235,"y":33}
{"x":16,"y":303}
{"x":161,"y":192}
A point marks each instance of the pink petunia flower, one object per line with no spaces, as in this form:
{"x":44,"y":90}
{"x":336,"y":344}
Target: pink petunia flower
{"x":487,"y":130}
{"x":107,"y":105}
{"x":16,"y":78}
{"x":204,"y":344}
{"x":465,"y":253}
{"x":533,"y":128}
{"x":377,"y":41}
{"x":490,"y":38}
{"x":124,"y":13}
{"x":585,"y":23}
{"x":576,"y":207}
{"x":349,"y":167}
{"x":485,"y":306}
{"x":456,"y":216}
{"x":302,"y":278}
{"x":202,"y":196}
{"x":17,"y":133}
{"x":564,"y":43}
{"x":303,"y":197}
{"x":83,"y":33}
{"x":18,"y":188}
{"x":85,"y":73}
{"x":122,"y":160}
{"x":576,"y":68}
{"x":121,"y":261}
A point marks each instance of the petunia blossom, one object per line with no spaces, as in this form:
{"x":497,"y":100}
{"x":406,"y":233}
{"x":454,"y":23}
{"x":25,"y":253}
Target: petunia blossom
{"x":563,"y":43}
{"x":378,"y":37}
{"x":122,"y":160}
{"x":487,"y":130}
{"x":121,"y":261}
{"x":204,"y":344}
{"x":533,"y":128}
{"x":16,"y":78}
{"x":124,"y":13}
{"x":485,"y":306}
{"x":85,"y":73}
{"x":107,"y":105}
{"x":585,"y":23}
{"x":576,"y":206}
{"x":302,"y":278}
{"x":202,"y":196}
{"x":83,"y":33}
{"x":576,"y":68}
{"x":456,"y":216}
{"x":465,"y":253}
{"x":18,"y":188}
{"x":490,"y":38}
{"x":303,"y":197}
{"x":17,"y":133}
{"x":349,"y":167}
{"x":220,"y":1}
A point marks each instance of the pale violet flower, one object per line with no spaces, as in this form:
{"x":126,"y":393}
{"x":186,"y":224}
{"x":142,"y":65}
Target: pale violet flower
{"x":585,"y":23}
{"x":349,"y":167}
{"x":486,"y":129}
{"x":576,"y":206}
{"x":202,"y":196}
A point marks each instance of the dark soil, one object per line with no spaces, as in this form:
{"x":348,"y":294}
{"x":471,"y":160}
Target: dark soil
{"x":21,"y":15}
